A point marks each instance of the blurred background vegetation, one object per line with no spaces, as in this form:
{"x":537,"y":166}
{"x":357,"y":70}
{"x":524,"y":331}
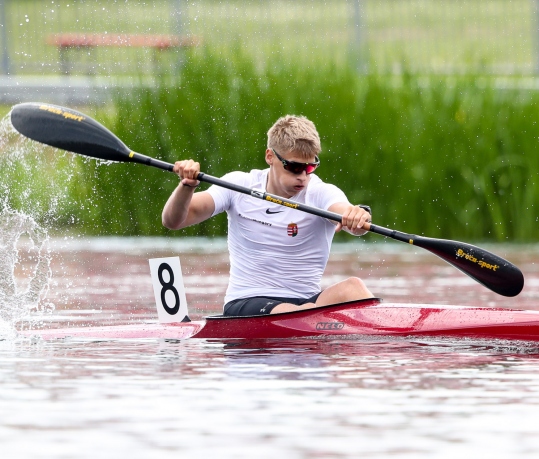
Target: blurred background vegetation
{"x":427,"y":110}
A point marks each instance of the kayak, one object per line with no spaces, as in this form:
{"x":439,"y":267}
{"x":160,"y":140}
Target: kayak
{"x":370,"y":317}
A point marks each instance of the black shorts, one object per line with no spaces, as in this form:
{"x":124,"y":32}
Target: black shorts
{"x":261,"y":305}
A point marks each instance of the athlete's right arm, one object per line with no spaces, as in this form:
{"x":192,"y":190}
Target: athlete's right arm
{"x":185,"y":207}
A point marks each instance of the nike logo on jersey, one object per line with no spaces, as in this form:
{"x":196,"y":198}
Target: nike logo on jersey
{"x":274,"y":212}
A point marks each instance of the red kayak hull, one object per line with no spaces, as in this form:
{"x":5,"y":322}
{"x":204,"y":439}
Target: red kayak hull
{"x":366,"y":318}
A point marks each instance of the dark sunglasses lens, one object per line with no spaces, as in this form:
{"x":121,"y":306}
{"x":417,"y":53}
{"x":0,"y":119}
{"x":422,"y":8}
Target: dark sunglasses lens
{"x":298,"y":168}
{"x":295,"y":168}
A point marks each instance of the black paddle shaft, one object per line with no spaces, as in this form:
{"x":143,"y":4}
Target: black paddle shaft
{"x":73,"y":131}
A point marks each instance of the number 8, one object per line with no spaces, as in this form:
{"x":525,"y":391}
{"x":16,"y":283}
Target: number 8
{"x":166,"y":287}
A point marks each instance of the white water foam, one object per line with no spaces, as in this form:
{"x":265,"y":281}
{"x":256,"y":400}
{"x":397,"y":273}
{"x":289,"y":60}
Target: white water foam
{"x":21,"y":237}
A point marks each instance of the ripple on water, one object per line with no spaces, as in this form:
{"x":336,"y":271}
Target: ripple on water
{"x":297,"y":398}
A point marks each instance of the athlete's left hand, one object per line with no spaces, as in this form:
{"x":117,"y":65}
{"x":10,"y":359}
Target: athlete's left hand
{"x":353,"y":219}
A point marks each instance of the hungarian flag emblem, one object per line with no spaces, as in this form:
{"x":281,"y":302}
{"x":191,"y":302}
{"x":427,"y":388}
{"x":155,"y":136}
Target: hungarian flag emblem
{"x":292,"y":229}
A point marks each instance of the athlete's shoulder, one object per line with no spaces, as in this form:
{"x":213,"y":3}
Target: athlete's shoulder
{"x":256,"y":179}
{"x":235,"y":175}
{"x":316,"y":184}
{"x":246,"y":178}
{"x":322,"y":194}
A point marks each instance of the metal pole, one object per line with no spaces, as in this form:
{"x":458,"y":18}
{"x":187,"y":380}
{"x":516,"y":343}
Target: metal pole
{"x":358,"y":48}
{"x":4,"y":64}
{"x":178,"y":28}
{"x":535,"y":39}
{"x":178,"y":17}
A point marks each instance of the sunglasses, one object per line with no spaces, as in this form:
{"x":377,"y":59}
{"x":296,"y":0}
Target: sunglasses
{"x":297,"y":168}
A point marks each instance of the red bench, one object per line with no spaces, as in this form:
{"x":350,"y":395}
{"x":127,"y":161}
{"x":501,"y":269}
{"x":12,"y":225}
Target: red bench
{"x":67,"y":41}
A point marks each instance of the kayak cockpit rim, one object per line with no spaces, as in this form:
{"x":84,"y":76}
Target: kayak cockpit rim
{"x":359,"y":303}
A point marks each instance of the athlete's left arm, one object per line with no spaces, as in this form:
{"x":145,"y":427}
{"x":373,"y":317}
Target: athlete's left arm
{"x":353,"y":217}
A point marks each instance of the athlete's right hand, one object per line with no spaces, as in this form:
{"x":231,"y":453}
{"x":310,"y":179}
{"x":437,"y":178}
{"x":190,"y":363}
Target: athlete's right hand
{"x":188,"y":171}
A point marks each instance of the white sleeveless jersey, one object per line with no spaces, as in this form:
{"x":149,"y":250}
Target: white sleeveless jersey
{"x":274,"y":250}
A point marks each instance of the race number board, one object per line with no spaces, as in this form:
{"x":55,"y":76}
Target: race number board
{"x":168,"y":289}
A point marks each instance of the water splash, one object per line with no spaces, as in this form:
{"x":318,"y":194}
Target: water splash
{"x":13,"y":146}
{"x":36,"y":179}
{"x":24,"y":248}
{"x":26,"y":198}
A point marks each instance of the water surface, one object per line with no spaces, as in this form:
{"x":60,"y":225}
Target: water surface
{"x":298,"y":398}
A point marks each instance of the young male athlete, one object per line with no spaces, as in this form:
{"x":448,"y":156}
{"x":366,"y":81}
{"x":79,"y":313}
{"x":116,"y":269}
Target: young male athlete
{"x":277,"y":254}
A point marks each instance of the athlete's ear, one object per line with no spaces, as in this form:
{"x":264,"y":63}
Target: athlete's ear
{"x":269,"y":156}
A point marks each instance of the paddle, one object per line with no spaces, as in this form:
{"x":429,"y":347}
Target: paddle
{"x":73,"y":131}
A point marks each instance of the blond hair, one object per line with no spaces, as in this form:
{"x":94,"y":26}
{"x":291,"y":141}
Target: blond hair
{"x":294,"y":133}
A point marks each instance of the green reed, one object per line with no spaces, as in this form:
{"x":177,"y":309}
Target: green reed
{"x":451,"y":157}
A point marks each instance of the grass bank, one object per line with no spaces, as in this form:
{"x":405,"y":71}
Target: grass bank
{"x":451,"y":157}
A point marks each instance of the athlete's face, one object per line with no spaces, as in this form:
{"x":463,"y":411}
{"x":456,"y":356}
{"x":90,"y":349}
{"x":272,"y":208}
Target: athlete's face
{"x":283,"y":182}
